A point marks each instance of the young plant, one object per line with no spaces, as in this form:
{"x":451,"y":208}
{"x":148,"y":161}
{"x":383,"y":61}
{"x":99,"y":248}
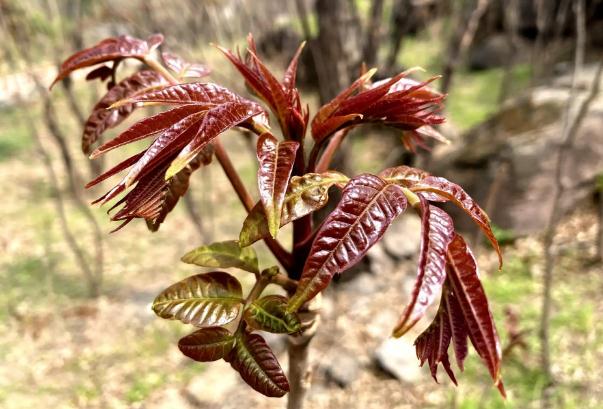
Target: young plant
{"x":292,"y":186}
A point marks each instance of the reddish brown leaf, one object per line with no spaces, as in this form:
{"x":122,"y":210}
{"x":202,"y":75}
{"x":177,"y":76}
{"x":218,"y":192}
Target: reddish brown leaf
{"x":103,"y":72}
{"x":443,"y":188}
{"x":291,"y":73}
{"x":207,"y":344}
{"x":437,"y":232}
{"x":468,"y":290}
{"x":177,"y":186}
{"x":457,"y":325}
{"x":257,"y":365}
{"x":276,"y":160}
{"x":110,"y":49}
{"x":147,"y":127}
{"x":216,"y":121}
{"x":116,"y":169}
{"x":102,"y":119}
{"x":367,"y":207}
{"x":432,"y":344}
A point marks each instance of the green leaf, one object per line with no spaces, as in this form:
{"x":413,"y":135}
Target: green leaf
{"x":203,"y":300}
{"x":207,"y":344}
{"x":270,"y":314}
{"x":257,"y":365}
{"x":305,"y":194}
{"x":224,"y":254}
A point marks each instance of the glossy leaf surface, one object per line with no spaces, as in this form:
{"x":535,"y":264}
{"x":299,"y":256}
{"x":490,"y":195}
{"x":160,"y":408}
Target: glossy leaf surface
{"x":367,"y":207}
{"x":257,"y":365}
{"x":102,"y":119}
{"x":437,"y":231}
{"x":404,"y":175}
{"x":203,"y":300}
{"x":276,"y":160}
{"x":270,"y":314}
{"x":224,"y":254}
{"x":468,"y":290}
{"x":207,"y":344}
{"x":451,"y":191}
{"x":110,"y":49}
{"x":305,"y":194}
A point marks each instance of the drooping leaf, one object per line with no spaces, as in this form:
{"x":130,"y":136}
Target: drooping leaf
{"x":270,"y":314}
{"x":432,"y":345}
{"x":367,"y":207}
{"x":305,"y":194}
{"x":457,"y":326}
{"x":404,"y":175}
{"x":203,"y":300}
{"x":468,"y":290}
{"x":146,"y":127}
{"x":110,"y":49}
{"x":207,"y":344}
{"x":177,"y":186}
{"x":224,"y":254}
{"x":184,"y":69}
{"x":257,"y":365}
{"x":102,"y":118}
{"x":216,"y":121}
{"x":441,"y":187}
{"x":276,"y":160}
{"x":437,"y":231}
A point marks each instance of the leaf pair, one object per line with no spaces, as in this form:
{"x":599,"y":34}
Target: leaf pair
{"x":283,"y":98}
{"x":463,"y":312}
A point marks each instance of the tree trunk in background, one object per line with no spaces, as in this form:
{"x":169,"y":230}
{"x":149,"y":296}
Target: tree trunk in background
{"x":373,"y":34}
{"x":399,"y":24}
{"x":338,"y":37}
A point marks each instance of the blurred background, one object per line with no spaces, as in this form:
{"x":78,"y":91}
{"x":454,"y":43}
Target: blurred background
{"x":525,"y":121}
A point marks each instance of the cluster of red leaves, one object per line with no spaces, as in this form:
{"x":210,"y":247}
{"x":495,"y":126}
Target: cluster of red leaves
{"x":289,"y":190}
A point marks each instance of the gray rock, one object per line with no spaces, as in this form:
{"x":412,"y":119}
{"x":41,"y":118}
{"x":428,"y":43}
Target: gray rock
{"x":403,"y":237}
{"x":343,"y":369}
{"x":507,"y":163}
{"x":397,"y":357}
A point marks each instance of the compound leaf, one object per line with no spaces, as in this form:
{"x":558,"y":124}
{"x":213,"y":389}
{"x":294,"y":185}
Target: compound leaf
{"x":203,"y":300}
{"x":224,"y":254}
{"x":367,"y":207}
{"x":207,"y":344}
{"x":257,"y":365}
{"x":270,"y":314}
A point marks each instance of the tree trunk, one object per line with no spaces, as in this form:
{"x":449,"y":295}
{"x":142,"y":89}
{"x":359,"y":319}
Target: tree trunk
{"x":373,"y":34}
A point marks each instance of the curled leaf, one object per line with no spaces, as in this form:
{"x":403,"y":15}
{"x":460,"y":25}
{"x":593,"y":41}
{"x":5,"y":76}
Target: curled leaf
{"x":437,"y":231}
{"x":276,"y":164}
{"x":110,"y":49}
{"x":203,"y":300}
{"x":468,"y":290}
{"x":207,"y":344}
{"x":257,"y":365}
{"x":182,"y":68}
{"x":368,"y":206}
{"x":270,"y":314}
{"x":403,"y":175}
{"x":224,"y":254}
{"x":305,"y":194}
{"x":443,"y":188}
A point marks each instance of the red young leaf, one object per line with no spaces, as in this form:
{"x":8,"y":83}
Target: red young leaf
{"x":276,"y":164}
{"x":102,"y":118}
{"x":110,"y":49}
{"x":457,"y":325}
{"x":437,"y":232}
{"x":468,"y":290}
{"x":443,"y":188}
{"x":216,"y":121}
{"x":432,"y":344}
{"x":257,"y":365}
{"x":184,"y":69}
{"x":207,"y":344}
{"x":147,"y":127}
{"x":125,"y":164}
{"x":291,"y":73}
{"x":103,"y":72}
{"x":367,"y":207}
